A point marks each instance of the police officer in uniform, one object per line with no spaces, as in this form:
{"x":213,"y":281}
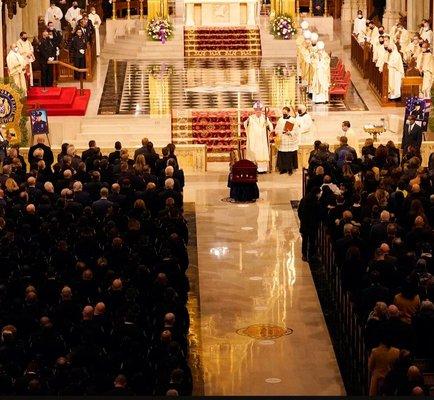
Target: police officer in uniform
{"x":78,"y":52}
{"x":47,"y":52}
{"x":40,"y":126}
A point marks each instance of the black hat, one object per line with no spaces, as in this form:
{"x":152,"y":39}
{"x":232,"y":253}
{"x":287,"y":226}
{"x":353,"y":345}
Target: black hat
{"x":38,"y":114}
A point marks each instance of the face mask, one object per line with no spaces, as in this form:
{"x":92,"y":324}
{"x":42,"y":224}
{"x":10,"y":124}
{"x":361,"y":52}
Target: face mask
{"x":360,"y":16}
{"x":381,"y":31}
{"x":371,"y":28}
{"x":300,"y":112}
{"x":75,"y":6}
{"x":389,"y":50}
{"x":381,"y":41}
{"x":24,"y":39}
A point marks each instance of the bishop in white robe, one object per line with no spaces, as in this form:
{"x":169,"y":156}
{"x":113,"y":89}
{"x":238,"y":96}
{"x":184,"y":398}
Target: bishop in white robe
{"x":96,"y":21}
{"x":54,"y":14}
{"x":321,"y":76}
{"x":396,"y":73}
{"x":257,"y":129}
{"x":17,"y":67}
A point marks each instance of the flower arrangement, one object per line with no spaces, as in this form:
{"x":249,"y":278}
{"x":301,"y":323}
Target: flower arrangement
{"x":160,"y":29}
{"x":282,"y":27}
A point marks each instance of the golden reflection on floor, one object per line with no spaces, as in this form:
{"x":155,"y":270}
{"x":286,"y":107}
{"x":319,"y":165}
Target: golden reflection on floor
{"x":263,"y":331}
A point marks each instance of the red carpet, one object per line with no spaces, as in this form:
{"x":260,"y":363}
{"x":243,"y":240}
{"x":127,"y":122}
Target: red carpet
{"x":59,"y":101}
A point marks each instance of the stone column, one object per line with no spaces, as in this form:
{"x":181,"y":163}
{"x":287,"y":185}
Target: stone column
{"x":391,"y":15}
{"x":251,"y":14}
{"x":411,"y":15}
{"x":189,"y":14}
{"x":14,"y":27}
{"x":346,"y":23}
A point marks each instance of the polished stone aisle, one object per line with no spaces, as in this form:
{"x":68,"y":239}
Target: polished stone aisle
{"x":262,"y":329}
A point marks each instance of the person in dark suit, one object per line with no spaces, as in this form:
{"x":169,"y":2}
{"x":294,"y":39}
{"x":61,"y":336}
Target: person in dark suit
{"x":54,"y":35}
{"x":47,"y":52}
{"x":78,"y":49}
{"x":142,"y":150}
{"x":115,"y":155}
{"x":101,"y":206}
{"x":48,"y":154}
{"x":107,"y":8}
{"x":90,"y":151}
{"x":412,"y":135}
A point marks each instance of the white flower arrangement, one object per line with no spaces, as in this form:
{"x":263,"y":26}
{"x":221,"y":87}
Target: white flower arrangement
{"x":282,"y":27}
{"x":160,"y":29}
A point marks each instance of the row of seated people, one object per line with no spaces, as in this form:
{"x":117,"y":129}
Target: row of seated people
{"x":93,"y":285}
{"x":379,"y":212}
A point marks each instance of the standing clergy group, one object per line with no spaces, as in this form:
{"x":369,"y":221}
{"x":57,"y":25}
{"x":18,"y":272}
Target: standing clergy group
{"x":313,"y":64}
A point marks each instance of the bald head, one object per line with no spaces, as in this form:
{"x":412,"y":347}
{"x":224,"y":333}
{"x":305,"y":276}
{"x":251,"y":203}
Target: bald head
{"x":117,"y":285}
{"x":99,"y":309}
{"x":385,"y":216}
{"x":66,"y":293}
{"x":87,"y":313}
{"x":393,"y":311}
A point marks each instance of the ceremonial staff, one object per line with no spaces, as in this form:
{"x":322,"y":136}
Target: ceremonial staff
{"x":267,"y":132}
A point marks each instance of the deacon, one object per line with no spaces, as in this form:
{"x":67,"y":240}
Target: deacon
{"x":73,"y":15}
{"x":26,"y":50}
{"x":96,"y":21}
{"x":321,"y":75}
{"x":257,"y":129}
{"x":425,"y":64}
{"x":359,"y":26}
{"x":287,"y":143}
{"x":54,"y":14}
{"x":17,"y":67}
{"x":396,"y":72}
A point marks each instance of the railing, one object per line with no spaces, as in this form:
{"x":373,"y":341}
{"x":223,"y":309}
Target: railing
{"x":360,"y":55}
{"x":62,"y":66}
{"x":345,"y":326}
{"x":378,"y":81}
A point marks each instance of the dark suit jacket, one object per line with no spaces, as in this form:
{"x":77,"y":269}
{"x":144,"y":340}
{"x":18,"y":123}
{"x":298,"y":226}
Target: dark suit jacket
{"x":48,"y":154}
{"x":101,"y":206}
{"x":142,"y":150}
{"x":413,"y":138}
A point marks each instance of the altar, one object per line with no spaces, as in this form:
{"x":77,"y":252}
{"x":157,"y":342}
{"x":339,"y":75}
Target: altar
{"x":221,"y":13}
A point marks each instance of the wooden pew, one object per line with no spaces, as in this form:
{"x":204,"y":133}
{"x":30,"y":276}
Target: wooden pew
{"x":360,"y":55}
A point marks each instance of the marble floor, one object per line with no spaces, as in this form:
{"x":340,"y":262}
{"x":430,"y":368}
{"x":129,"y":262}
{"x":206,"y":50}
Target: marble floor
{"x":262,"y":328}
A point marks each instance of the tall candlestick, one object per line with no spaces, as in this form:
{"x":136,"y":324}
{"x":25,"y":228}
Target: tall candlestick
{"x":311,"y":8}
{"x":114,"y":9}
{"x":128,"y":9}
{"x":326,"y":9}
{"x":141,"y":9}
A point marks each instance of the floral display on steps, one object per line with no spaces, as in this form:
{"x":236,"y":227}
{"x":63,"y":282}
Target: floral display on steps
{"x":282,"y":26}
{"x":160,"y":29}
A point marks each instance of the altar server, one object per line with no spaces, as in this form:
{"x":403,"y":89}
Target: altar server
{"x":304,"y":121}
{"x":321,"y":75}
{"x":96,"y":21}
{"x":73,"y":15}
{"x":396,"y":72}
{"x":54,"y":14}
{"x":257,"y":129}
{"x":288,"y":142}
{"x":17,"y":67}
{"x":26,"y":50}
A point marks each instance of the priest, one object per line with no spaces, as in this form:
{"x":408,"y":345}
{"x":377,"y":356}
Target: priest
{"x":96,"y":21}
{"x":26,"y":50}
{"x":321,"y":75}
{"x":359,"y":26}
{"x":73,"y":15}
{"x":304,"y":123}
{"x":258,"y":128}
{"x":54,"y":14}
{"x":17,"y":67}
{"x":396,"y":72}
{"x":425,"y":64}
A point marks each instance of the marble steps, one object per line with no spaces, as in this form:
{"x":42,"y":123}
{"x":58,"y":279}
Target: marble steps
{"x":128,"y":129}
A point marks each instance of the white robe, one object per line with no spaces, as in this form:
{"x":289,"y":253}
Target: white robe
{"x":26,"y":50}
{"x":96,"y":21}
{"x":289,"y":141}
{"x":427,"y":34}
{"x":54,"y":15}
{"x":16,"y":66}
{"x":372,"y":35}
{"x":257,"y":148}
{"x":73,"y":15}
{"x":304,"y":127}
{"x":321,"y":78}
{"x":396,"y":73}
{"x":425,"y":64}
{"x":359,"y":28}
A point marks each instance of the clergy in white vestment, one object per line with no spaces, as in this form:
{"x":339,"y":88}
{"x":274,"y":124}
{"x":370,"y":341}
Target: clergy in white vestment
{"x":376,"y":47}
{"x":96,"y":21}
{"x":351,"y":136}
{"x":54,"y":14}
{"x":26,"y":50}
{"x":257,"y":130}
{"x":383,"y":53}
{"x":399,"y":35}
{"x":359,"y":26}
{"x":304,"y":124}
{"x":372,"y":33}
{"x":426,"y":32}
{"x":412,"y":50}
{"x":425,"y":64}
{"x":73,"y":15}
{"x":288,"y":142}
{"x":396,"y":72}
{"x":17,"y":67}
{"x":321,"y":75}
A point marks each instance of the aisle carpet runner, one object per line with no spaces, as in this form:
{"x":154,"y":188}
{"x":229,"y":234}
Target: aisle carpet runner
{"x":219,"y":129}
{"x":212,"y":42}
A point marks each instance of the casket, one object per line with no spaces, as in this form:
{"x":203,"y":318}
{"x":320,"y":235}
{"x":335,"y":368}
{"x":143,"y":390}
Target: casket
{"x":244,"y":171}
